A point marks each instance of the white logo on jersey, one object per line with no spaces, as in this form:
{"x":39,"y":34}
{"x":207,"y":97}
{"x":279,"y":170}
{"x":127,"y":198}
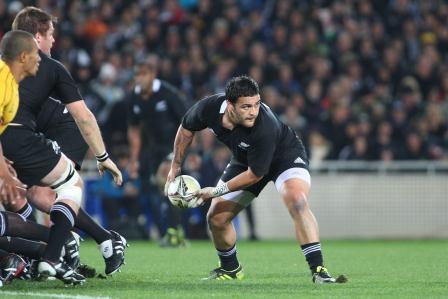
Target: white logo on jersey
{"x":65,"y":111}
{"x":56,"y":147}
{"x":161,"y":106}
{"x":243,"y":145}
{"x":299,"y":161}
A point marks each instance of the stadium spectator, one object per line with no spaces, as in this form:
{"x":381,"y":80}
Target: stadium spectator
{"x":155,"y":109}
{"x":369,"y":62}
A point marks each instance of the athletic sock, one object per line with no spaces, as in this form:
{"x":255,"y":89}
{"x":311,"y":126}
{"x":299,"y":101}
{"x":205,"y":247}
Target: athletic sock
{"x":313,"y":255}
{"x":28,"y":248}
{"x":14,"y":225}
{"x":63,"y":218}
{"x":228,"y":259}
{"x":27,"y":212}
{"x":85,"y":223}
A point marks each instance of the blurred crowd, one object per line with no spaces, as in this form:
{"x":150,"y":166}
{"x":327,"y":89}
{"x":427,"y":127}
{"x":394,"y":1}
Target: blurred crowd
{"x":357,"y":80}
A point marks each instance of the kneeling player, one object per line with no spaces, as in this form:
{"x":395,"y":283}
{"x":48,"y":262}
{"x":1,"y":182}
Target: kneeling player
{"x":264,"y":149}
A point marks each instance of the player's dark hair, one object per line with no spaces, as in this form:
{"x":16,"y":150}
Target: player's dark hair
{"x":241,"y":86}
{"x":151,"y":62}
{"x":33,"y":20}
{"x":14,"y":43}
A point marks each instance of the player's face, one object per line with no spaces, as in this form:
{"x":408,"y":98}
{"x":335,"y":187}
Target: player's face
{"x":246,"y":110}
{"x":46,"y":41}
{"x":32,"y":60}
{"x":144,"y":76}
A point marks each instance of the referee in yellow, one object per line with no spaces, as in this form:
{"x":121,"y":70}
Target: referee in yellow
{"x":19,"y":58}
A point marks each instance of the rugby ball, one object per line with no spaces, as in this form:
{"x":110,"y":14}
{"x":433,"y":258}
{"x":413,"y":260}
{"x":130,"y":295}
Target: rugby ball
{"x":180,"y":190}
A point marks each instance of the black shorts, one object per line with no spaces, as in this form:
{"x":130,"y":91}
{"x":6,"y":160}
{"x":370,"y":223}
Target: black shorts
{"x":293,"y":159}
{"x":34,"y":156}
{"x":56,"y":123}
{"x":69,"y":138}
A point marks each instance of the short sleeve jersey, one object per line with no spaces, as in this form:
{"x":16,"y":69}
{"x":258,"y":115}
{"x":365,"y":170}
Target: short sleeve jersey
{"x":52,"y":79}
{"x":256,"y":147}
{"x":9,"y":96}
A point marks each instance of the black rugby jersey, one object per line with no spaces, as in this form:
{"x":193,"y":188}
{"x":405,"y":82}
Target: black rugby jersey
{"x":52,"y":79}
{"x":268,"y":141}
{"x":160,"y":115}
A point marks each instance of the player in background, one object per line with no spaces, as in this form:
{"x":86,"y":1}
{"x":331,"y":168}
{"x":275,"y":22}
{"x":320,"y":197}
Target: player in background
{"x":155,"y":111}
{"x":264,"y":149}
{"x":19,"y":58}
{"x":56,"y":123}
{"x":39,"y":161}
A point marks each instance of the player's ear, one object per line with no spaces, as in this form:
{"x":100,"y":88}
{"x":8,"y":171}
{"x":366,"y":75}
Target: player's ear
{"x":22,"y":56}
{"x":38,"y":37}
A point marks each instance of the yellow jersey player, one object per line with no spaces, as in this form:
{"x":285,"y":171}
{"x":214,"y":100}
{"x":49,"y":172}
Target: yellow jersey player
{"x":19,"y":59}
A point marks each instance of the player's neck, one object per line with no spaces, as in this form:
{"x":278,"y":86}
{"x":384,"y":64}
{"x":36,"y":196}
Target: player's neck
{"x":146,"y":94}
{"x":228,"y":121}
{"x":16,"y":71}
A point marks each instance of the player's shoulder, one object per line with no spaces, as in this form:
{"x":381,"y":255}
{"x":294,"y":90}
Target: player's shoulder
{"x":49,"y":63}
{"x":266,"y":115}
{"x":5,"y":73}
{"x":214,"y":100}
{"x":267,"y":122}
{"x":208,"y":107}
{"x":7,"y":80}
{"x":165,"y":86}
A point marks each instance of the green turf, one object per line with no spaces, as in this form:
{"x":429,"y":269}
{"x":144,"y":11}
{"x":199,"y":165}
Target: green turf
{"x":376,"y":269}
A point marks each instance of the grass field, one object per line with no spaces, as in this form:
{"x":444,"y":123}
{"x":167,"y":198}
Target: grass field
{"x":376,"y":269}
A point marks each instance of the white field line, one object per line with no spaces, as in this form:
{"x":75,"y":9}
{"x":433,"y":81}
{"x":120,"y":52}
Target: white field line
{"x":49,"y":295}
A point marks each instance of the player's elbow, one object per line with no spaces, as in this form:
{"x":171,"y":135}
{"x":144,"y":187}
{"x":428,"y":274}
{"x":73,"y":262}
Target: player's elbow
{"x":254,"y":178}
{"x":84,"y":119}
{"x":80,"y":112}
{"x":185,"y":132}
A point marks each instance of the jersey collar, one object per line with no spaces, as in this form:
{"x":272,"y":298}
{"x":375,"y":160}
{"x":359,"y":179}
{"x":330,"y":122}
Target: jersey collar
{"x":223,"y":107}
{"x":156,"y":83}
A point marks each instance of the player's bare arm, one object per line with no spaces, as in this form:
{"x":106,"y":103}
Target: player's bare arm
{"x":135,"y":146}
{"x":88,"y":126}
{"x":182,"y":142}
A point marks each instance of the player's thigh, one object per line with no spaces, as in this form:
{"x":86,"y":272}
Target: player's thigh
{"x":34,"y":156}
{"x":58,"y":172}
{"x":222,"y":212}
{"x":294,"y":186}
{"x":69,"y":138}
{"x":245,"y":196}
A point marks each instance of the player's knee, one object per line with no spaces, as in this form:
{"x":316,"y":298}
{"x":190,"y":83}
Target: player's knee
{"x":297,"y":203}
{"x":69,"y":186}
{"x":216,"y":221}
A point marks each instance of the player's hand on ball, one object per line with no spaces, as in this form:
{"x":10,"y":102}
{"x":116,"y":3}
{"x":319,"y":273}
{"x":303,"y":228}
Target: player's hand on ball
{"x":110,"y":166}
{"x":195,"y":202}
{"x":204,"y":193}
{"x":172,"y":174}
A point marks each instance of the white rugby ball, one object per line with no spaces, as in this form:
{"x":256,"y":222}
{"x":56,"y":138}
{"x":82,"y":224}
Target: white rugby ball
{"x":180,"y":189}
